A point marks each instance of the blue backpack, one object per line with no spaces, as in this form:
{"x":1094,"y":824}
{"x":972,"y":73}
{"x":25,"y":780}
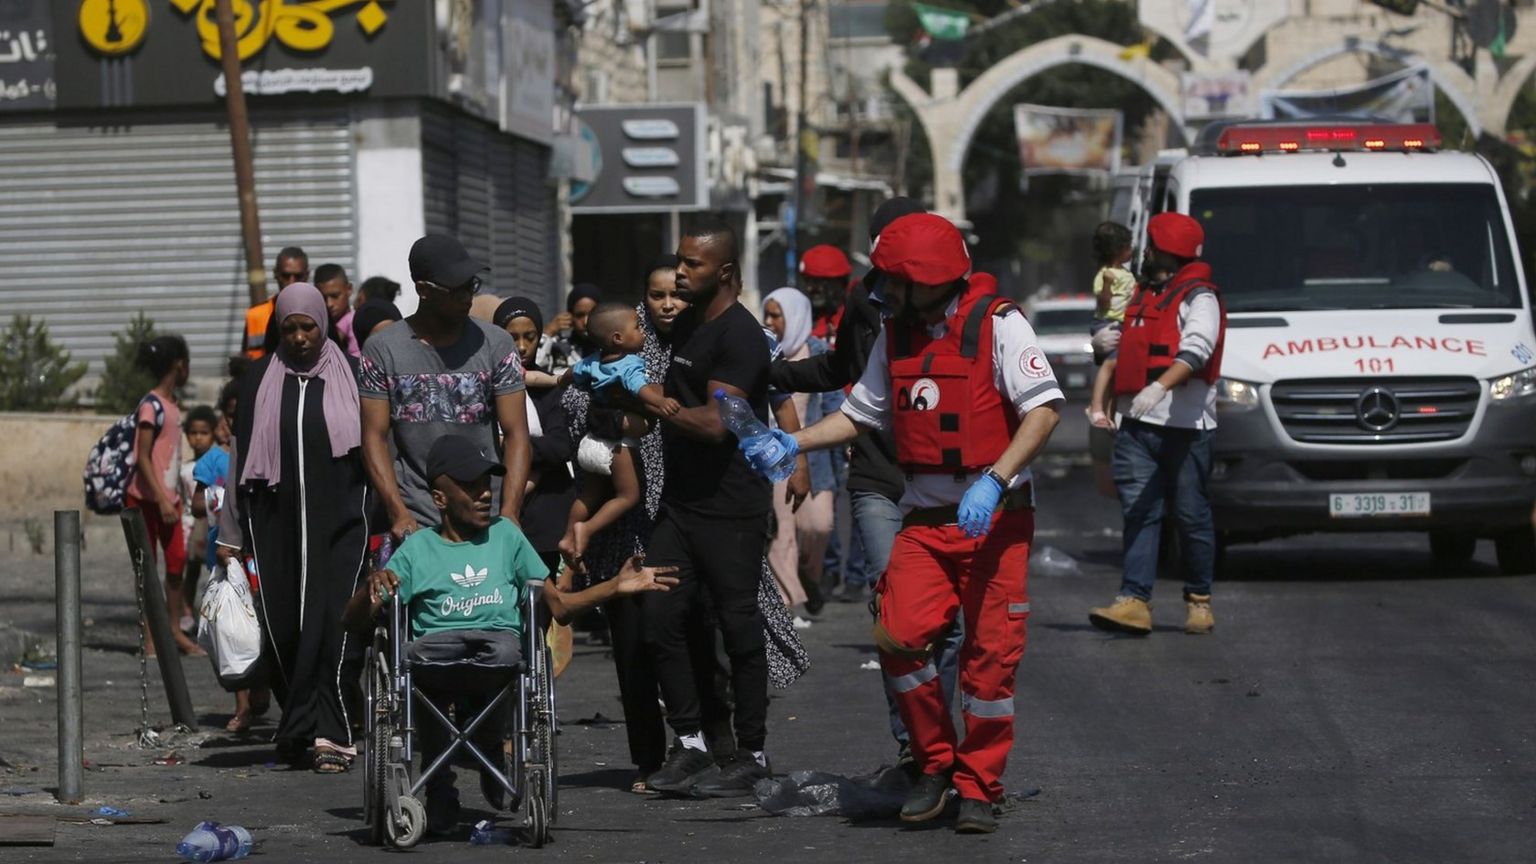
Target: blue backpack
{"x":111,"y":463}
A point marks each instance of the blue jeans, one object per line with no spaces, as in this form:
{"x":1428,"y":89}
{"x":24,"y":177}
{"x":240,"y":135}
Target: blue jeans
{"x":1153,"y":465}
{"x":876,"y":519}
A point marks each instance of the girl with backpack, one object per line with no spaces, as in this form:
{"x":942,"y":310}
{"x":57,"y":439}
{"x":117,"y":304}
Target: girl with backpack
{"x":155,"y":486}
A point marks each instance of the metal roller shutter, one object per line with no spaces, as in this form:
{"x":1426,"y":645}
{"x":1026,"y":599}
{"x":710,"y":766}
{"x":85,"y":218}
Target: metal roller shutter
{"x":97,"y":223}
{"x":491,"y":191}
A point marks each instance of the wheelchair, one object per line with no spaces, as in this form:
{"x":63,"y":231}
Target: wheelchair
{"x":392,"y":801}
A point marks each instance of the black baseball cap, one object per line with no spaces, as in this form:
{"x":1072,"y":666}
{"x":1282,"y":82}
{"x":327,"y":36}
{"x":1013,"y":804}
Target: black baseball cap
{"x":459,"y":458}
{"x":442,"y":260}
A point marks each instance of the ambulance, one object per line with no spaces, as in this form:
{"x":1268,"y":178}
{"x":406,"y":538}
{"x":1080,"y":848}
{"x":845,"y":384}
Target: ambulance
{"x":1380,"y":367}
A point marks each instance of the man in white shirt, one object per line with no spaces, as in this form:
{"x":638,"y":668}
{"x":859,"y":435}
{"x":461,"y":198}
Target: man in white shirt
{"x":1166,"y":370}
{"x":970,"y":399}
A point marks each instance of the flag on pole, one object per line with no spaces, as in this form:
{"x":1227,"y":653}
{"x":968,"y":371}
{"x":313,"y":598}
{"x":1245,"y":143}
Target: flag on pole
{"x":947,"y":24}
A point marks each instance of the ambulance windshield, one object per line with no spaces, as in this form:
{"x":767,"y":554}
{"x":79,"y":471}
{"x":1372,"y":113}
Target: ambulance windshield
{"x":1384,"y":246}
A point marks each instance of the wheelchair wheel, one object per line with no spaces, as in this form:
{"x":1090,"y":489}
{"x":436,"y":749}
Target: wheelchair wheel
{"x":376,"y":756}
{"x":408,"y":830}
{"x":538,"y":822}
{"x":547,"y":730}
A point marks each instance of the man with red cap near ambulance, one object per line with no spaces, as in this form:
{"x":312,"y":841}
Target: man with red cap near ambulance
{"x":1166,"y":369}
{"x":959,"y":379}
{"x":825,"y":270}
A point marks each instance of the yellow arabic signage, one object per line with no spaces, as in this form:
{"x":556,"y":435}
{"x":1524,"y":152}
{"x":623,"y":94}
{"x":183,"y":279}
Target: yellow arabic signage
{"x":118,"y":26}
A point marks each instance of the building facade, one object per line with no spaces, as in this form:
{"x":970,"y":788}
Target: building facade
{"x":371,"y":125}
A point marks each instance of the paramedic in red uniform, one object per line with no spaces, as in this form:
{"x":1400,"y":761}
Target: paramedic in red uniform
{"x":959,"y":379}
{"x":1165,"y":375}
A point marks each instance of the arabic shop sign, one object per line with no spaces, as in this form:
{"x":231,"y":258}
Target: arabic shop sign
{"x":26,"y":55}
{"x":167,"y":52}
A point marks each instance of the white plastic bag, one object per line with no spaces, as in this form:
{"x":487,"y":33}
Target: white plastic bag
{"x":229,"y":631}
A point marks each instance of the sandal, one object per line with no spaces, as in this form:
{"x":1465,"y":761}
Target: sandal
{"x":640,"y":787}
{"x":328,"y":761}
{"x":238,"y":723}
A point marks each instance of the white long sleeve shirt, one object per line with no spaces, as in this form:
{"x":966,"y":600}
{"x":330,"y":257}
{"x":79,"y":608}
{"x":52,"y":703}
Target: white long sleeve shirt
{"x":1191,"y":405}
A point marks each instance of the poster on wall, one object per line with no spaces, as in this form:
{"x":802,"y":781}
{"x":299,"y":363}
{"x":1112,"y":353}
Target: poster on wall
{"x":1406,"y":96}
{"x":1216,"y":94}
{"x":1067,"y":140}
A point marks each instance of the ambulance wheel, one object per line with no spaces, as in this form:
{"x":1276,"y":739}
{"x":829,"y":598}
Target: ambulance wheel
{"x":1516,"y":551}
{"x":1452,"y":547}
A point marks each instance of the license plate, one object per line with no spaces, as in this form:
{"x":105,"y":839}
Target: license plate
{"x":1077,"y":382}
{"x":1349,"y":505}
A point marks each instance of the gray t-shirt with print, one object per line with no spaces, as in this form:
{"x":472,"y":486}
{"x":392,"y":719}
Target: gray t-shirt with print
{"x":437,"y":391}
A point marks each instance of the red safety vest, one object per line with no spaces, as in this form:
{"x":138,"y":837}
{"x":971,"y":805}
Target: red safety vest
{"x":1150,"y":340}
{"x":948,"y":416}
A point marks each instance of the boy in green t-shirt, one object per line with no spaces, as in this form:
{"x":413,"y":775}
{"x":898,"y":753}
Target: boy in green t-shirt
{"x":463,"y":585}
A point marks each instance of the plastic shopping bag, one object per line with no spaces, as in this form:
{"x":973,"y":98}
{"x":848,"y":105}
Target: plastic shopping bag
{"x":229,"y":631}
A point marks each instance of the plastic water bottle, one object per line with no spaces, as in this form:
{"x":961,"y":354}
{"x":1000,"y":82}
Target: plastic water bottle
{"x":767,"y":454}
{"x":486,"y":833}
{"x":210,"y":841}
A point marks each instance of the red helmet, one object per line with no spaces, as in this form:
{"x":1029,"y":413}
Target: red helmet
{"x":924,"y":248}
{"x":825,"y":262}
{"x":1177,"y":234}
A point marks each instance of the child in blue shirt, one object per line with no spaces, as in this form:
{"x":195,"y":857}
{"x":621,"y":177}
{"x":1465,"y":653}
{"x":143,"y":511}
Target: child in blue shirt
{"x":615,"y":376}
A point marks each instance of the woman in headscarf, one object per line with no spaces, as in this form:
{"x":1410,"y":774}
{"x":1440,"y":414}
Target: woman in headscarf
{"x":607,"y":552}
{"x":297,"y":503}
{"x":566,"y":338}
{"x":796,"y":555}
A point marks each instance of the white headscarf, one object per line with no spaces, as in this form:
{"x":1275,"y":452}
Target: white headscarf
{"x":797,"y":318}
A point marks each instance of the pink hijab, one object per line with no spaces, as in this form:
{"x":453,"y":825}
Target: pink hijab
{"x":263,"y":454}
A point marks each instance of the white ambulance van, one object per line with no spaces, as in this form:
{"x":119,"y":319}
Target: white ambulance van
{"x":1380,"y":368}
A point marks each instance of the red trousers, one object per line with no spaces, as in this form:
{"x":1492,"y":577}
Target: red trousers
{"x":169,"y":538}
{"x":934,"y":572}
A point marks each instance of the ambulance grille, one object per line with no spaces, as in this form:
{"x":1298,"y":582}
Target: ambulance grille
{"x":1376,"y":411}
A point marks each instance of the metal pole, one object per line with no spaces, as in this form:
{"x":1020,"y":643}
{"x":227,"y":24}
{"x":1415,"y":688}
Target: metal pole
{"x":159,"y":621}
{"x":240,"y":145}
{"x":66,"y":576}
{"x":801,"y":166}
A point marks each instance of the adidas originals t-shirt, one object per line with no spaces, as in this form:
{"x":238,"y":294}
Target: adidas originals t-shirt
{"x":474,"y":585}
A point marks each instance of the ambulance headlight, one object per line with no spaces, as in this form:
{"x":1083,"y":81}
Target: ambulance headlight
{"x":1518,"y":385}
{"x":1235,"y":395}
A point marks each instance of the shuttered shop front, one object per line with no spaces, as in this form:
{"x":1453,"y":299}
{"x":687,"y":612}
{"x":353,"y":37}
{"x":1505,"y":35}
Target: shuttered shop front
{"x":100,"y":222}
{"x":491,"y":190}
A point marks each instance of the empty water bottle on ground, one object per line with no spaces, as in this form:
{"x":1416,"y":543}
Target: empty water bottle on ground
{"x":210,"y":841}
{"x":486,"y":833}
{"x":764,"y":451}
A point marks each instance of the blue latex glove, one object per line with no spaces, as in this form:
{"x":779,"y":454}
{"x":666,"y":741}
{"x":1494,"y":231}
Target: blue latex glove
{"x":978,"y":505}
{"x":763,"y":452}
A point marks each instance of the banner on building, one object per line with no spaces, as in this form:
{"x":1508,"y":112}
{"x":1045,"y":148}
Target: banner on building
{"x":1067,"y":140}
{"x":1216,"y":94}
{"x":1407,"y":96}
{"x":26,"y":56}
{"x":1222,"y":30}
{"x":646,"y":158}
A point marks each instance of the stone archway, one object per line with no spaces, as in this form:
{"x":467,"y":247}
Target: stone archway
{"x":950,"y":116}
{"x":1449,"y":78}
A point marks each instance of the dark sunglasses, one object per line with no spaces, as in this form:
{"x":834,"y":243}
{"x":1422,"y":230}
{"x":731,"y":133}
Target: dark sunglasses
{"x":472,"y":286}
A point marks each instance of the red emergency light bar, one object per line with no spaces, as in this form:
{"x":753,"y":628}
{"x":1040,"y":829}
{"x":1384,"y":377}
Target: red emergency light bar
{"x":1258,"y":139}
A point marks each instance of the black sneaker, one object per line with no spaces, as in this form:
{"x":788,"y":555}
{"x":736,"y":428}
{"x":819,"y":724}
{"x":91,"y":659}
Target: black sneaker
{"x":976,"y":817}
{"x":927,"y":799}
{"x":685,"y":767}
{"x":736,"y":778}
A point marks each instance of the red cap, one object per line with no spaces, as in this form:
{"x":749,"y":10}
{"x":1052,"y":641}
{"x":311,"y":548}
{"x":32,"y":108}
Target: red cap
{"x":1176,"y":234}
{"x":924,"y":248}
{"x":825,"y":262}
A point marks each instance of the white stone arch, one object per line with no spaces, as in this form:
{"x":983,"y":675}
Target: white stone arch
{"x":983,"y":93}
{"x":1496,"y":110}
{"x":1449,"y":78}
{"x":950,"y":118}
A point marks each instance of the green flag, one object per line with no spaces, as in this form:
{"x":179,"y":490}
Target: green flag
{"x":942,"y":23}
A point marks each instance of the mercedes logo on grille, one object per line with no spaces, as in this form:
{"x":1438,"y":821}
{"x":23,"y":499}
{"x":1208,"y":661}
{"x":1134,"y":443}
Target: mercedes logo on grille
{"x":1377,"y":409}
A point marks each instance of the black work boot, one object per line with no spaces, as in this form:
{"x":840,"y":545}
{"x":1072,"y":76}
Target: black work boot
{"x":976,"y":817}
{"x":927,"y":799}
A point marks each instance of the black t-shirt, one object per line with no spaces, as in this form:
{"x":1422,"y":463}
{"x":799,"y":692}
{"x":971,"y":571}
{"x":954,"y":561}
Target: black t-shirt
{"x":715,"y":479}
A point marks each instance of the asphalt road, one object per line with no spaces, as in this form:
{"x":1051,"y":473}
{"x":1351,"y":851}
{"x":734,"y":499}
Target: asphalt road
{"x":1355,"y":704}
